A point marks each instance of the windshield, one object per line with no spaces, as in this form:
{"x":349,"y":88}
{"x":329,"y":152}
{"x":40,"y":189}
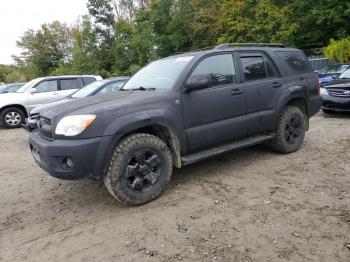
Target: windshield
{"x":333,"y":69}
{"x":161,"y":74}
{"x":28,"y":85}
{"x":87,"y":90}
{"x":345,"y":75}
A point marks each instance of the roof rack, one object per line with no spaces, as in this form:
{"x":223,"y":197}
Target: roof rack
{"x":227,"y":45}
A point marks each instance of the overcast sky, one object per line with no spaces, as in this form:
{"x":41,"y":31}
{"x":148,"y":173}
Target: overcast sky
{"x":16,"y":16}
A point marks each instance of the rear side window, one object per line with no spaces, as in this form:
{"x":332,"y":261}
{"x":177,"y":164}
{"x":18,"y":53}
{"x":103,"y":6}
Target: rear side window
{"x":296,"y":61}
{"x":254,"y":68}
{"x":67,"y":84}
{"x":220,"y":67}
{"x":88,"y":80}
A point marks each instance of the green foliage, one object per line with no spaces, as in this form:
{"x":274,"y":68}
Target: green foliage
{"x":256,"y":21}
{"x":338,"y":50}
{"x":11,"y":74}
{"x":45,"y":48}
{"x":118,"y":37}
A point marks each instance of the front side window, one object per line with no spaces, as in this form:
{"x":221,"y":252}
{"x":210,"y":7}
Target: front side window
{"x":46,"y":86}
{"x":67,"y":84}
{"x":220,"y":67}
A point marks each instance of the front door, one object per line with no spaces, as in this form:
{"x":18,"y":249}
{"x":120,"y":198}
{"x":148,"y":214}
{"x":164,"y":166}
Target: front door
{"x":215,"y":115}
{"x":43,"y":93}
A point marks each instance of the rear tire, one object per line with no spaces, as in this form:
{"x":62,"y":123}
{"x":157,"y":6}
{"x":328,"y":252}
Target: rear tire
{"x":12,"y":117}
{"x":290,"y":132}
{"x":139,"y":169}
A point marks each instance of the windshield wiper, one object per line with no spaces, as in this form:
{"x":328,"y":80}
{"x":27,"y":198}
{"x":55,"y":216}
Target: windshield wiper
{"x":141,"y":88}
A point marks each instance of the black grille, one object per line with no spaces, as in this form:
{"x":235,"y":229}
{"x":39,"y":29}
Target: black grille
{"x":45,"y":127}
{"x":339,"y":93}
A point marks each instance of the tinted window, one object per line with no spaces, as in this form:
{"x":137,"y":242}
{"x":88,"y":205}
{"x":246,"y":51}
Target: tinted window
{"x":221,"y":69}
{"x":253,"y":68}
{"x":67,"y":84}
{"x":296,"y":61}
{"x":46,"y":86}
{"x":112,"y":87}
{"x":88,"y":80}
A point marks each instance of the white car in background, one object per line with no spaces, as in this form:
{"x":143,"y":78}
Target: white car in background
{"x":15,"y":107}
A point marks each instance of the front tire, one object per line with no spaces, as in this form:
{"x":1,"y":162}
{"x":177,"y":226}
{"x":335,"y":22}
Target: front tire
{"x":139,"y":169}
{"x":290,"y":132}
{"x":12,"y":117}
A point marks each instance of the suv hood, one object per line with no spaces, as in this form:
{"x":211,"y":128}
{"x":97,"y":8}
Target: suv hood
{"x":122,"y":102}
{"x":339,"y":84}
{"x":42,"y":108}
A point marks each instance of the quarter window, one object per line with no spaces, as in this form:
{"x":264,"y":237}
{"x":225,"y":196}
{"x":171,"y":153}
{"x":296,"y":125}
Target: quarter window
{"x":67,"y":84}
{"x":220,"y":67}
{"x":296,"y":61}
{"x":46,"y":86}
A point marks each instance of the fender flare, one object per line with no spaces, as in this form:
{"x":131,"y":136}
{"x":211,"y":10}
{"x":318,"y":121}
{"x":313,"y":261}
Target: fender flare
{"x":162,"y":118}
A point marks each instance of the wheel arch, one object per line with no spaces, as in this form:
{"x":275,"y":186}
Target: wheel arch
{"x":295,"y":96}
{"x":165,"y":134}
{"x":21,"y":107}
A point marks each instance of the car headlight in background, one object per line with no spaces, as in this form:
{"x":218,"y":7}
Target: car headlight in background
{"x":324,"y":91}
{"x":74,"y":125}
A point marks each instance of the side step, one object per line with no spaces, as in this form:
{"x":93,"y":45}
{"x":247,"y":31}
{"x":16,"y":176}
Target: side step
{"x":187,"y":160}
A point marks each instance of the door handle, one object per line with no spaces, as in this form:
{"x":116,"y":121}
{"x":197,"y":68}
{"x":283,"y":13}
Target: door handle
{"x":55,"y":93}
{"x":276,"y":84}
{"x":237,"y":91}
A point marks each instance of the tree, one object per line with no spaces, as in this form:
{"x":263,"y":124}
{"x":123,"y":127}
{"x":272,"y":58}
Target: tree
{"x":256,"y":21}
{"x":338,"y":50}
{"x":46,"y":48}
{"x":319,"y":21}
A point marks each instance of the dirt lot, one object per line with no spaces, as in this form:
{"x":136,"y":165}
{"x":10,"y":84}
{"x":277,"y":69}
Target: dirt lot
{"x":252,"y":205}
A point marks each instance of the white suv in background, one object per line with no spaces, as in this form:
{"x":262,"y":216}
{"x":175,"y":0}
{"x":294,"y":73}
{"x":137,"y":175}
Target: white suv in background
{"x":15,"y":107}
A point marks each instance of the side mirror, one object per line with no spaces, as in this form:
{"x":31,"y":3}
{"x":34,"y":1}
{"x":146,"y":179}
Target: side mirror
{"x":198,"y":82}
{"x":32,"y":91}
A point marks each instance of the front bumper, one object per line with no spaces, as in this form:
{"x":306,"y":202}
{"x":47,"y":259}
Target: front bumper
{"x":338,"y":104}
{"x":89,"y":156}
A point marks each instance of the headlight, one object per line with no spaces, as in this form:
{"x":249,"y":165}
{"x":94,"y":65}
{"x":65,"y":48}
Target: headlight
{"x":74,"y":125}
{"x":324,"y":91}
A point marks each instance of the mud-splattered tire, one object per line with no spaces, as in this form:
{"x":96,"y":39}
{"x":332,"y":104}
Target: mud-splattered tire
{"x":139,"y":169}
{"x":12,"y":117}
{"x":290,"y":132}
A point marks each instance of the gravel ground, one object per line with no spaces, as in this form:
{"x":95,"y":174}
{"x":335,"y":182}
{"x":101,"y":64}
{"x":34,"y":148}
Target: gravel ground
{"x":251,"y":205}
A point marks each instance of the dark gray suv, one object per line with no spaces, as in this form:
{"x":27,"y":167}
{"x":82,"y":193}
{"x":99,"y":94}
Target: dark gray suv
{"x":177,"y":111}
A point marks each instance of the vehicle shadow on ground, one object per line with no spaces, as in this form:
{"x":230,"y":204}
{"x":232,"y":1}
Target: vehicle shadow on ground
{"x":344,"y":115}
{"x":94,"y":194}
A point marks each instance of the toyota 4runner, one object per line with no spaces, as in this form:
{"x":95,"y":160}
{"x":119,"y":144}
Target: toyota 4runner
{"x":177,"y":111}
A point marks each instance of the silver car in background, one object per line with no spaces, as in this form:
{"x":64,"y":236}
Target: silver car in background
{"x":15,"y":107}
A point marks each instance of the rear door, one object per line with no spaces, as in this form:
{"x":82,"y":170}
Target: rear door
{"x":69,"y":86}
{"x":215,"y":115}
{"x":263,"y":86}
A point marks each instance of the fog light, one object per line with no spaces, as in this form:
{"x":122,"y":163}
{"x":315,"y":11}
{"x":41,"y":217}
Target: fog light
{"x":68,"y":163}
